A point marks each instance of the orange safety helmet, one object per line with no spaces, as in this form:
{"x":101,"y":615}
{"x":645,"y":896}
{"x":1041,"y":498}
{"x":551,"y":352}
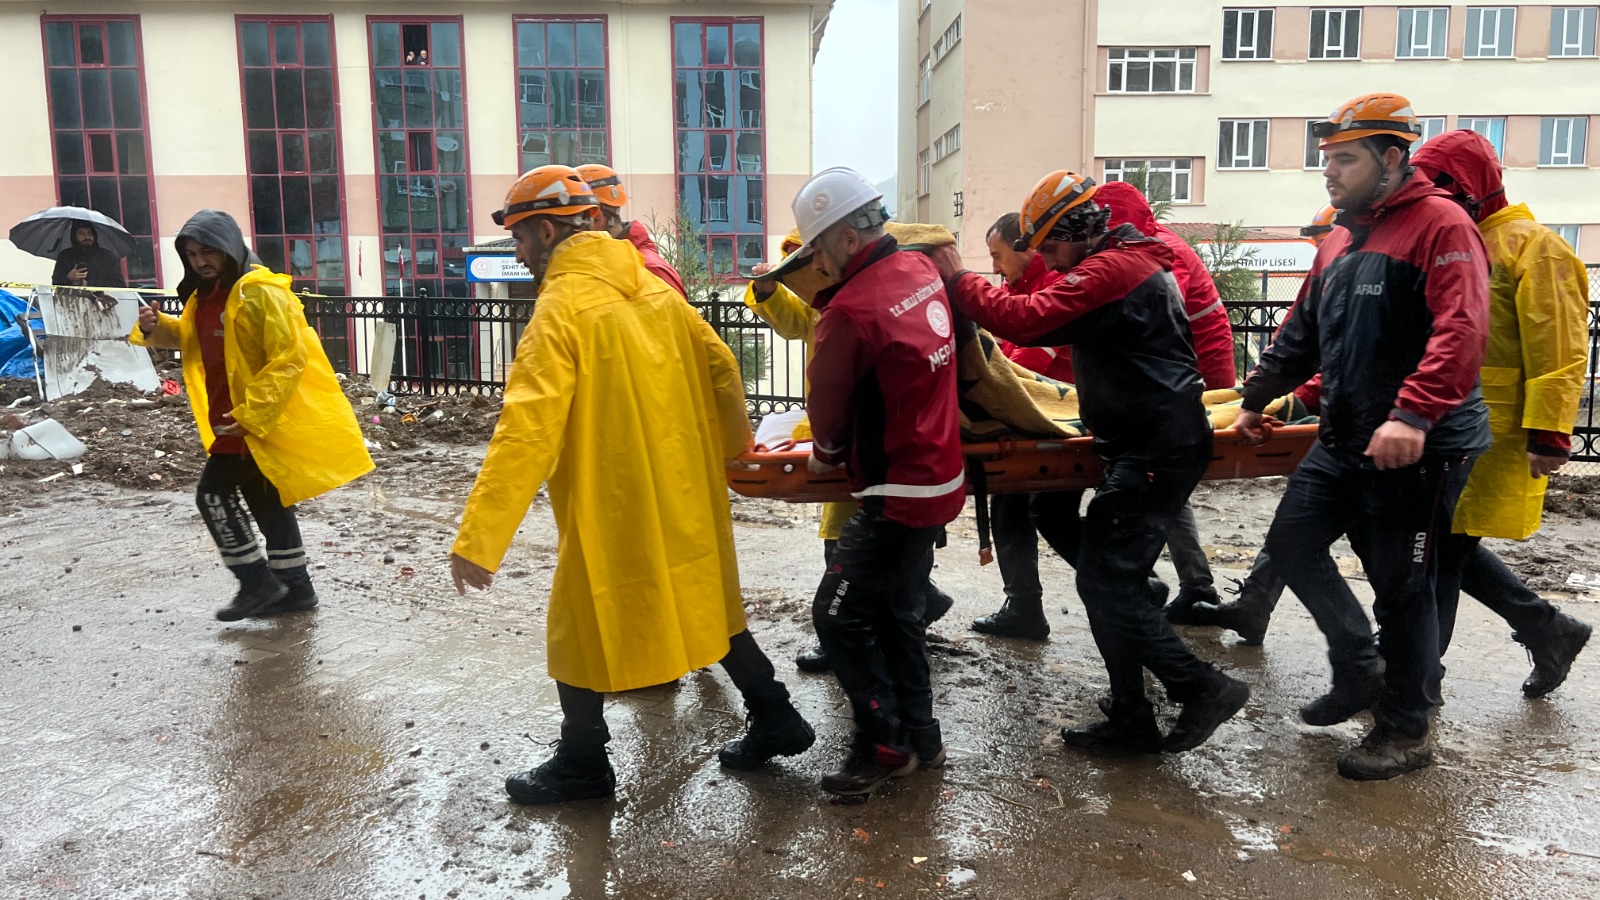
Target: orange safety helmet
{"x":1047,"y":206}
{"x":547,"y":191}
{"x":606,"y":184}
{"x":1369,"y":116}
{"x":1321,"y":225}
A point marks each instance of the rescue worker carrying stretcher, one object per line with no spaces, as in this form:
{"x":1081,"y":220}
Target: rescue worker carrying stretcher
{"x":1140,"y":388}
{"x":628,"y":403}
{"x":882,"y":406}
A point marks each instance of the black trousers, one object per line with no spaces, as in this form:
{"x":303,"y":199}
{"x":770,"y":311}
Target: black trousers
{"x":1396,"y":521}
{"x":868,"y":613}
{"x":583,"y":725}
{"x":1016,"y":547}
{"x":1470,"y":567}
{"x":230,"y":484}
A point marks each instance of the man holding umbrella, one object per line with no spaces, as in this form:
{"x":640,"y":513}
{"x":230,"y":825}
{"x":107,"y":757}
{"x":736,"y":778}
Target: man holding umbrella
{"x":87,"y":246}
{"x":86,"y":263}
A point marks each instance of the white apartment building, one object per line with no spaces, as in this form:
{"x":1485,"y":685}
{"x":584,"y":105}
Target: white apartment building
{"x":1215,"y":98}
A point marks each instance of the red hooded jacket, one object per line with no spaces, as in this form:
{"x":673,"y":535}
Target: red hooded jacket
{"x":658,"y":267}
{"x":1208,"y":320}
{"x":1051,"y":362}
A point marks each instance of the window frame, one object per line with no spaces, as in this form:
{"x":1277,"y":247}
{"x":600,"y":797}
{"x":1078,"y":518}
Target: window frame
{"x":578,"y":131}
{"x":1432,"y":11}
{"x":945,"y":43}
{"x":83,"y":133}
{"x":1473,"y":49}
{"x":925,"y":81}
{"x":240,"y":21}
{"x":732,"y":128}
{"x":924,"y":171}
{"x":1558,"y":15}
{"x":1147,"y":163}
{"x":1255,"y":13}
{"x":1327,"y":13}
{"x":1150,"y":58}
{"x":1547,"y":159}
{"x":1577,"y":234}
{"x":1266,"y":145}
{"x":1498,"y":145}
{"x":947,"y":144}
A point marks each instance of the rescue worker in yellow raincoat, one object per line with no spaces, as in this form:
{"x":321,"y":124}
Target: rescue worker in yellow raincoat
{"x":627,"y":403}
{"x":275,"y":423}
{"x":785,"y":305}
{"x":1533,"y":374}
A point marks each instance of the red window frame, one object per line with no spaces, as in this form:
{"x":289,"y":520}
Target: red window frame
{"x":732,"y":131}
{"x":410,"y":239}
{"x":312,"y":282}
{"x":605,"y":68}
{"x":85,"y":134}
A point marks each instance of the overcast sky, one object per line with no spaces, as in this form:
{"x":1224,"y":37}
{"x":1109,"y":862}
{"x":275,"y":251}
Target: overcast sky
{"x":857,"y":99}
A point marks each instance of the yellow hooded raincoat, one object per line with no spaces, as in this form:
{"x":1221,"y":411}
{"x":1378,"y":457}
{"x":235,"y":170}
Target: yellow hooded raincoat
{"x":627,"y":403}
{"x":1533,"y":370}
{"x":299,"y":425}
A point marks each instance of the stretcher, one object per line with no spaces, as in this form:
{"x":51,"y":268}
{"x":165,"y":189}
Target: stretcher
{"x":1020,"y":466}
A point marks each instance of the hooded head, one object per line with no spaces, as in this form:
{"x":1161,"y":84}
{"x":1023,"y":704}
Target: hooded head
{"x":1128,"y":206}
{"x":83,"y":234}
{"x":1464,"y":164}
{"x":217,"y":229}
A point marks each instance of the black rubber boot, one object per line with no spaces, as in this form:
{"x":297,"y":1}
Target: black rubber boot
{"x":260,"y":592}
{"x":1200,"y":717}
{"x":1127,"y":728}
{"x":302,"y":593}
{"x":927,"y":743}
{"x":1193,"y":606}
{"x":781,"y":732}
{"x":1351,"y":694}
{"x":1382,"y":756}
{"x":1016,"y":619}
{"x":814,"y":661}
{"x":1552,"y":650}
{"x":566,"y":776}
{"x":867,"y":766}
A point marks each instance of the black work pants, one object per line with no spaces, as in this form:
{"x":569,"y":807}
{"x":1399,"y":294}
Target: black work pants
{"x":1188,"y":557}
{"x":1121,"y":536}
{"x":230,"y":484}
{"x":1396,"y":521}
{"x":583,"y":725}
{"x":1471,"y":568}
{"x":868,"y":613}
{"x":1016,"y":548}
{"x":1262,"y":585}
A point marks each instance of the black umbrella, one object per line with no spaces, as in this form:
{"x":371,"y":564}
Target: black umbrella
{"x":48,"y":232}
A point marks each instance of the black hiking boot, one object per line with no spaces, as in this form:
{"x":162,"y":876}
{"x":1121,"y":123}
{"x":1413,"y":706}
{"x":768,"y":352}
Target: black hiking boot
{"x":935,"y":605}
{"x":1193,"y":606}
{"x":1015,"y":619}
{"x":868,"y":766}
{"x":927,"y":742}
{"x":564,"y":777}
{"x":782,"y":732}
{"x":302,"y":593}
{"x":259,"y":595}
{"x":1349,"y":696}
{"x":1159,"y":591}
{"x":1552,"y":652}
{"x":814,"y":661}
{"x":1249,"y":620}
{"x":1201,"y":716}
{"x":1381,"y":756}
{"x":1125,"y":729}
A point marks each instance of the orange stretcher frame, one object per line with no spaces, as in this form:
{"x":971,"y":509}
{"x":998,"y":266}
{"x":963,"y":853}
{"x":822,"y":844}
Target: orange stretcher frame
{"x":1018,"y":467}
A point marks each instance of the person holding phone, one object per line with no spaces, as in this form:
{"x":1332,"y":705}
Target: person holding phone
{"x":86,"y":263}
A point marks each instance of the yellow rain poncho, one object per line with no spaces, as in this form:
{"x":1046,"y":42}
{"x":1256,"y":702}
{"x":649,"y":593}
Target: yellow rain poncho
{"x":627,"y":403}
{"x":300,"y":428}
{"x":1532,"y":372}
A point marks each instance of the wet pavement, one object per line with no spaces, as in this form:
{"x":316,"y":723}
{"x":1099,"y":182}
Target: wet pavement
{"x":358,"y":751}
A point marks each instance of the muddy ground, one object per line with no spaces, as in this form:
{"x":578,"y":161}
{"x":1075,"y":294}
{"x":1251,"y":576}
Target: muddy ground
{"x":358,"y":751}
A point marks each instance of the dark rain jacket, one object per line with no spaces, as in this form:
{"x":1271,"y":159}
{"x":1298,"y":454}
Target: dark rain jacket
{"x":105,"y":269}
{"x":1138,"y":380}
{"x":1394,"y":314}
{"x":883,"y":386}
{"x":1208,"y":318}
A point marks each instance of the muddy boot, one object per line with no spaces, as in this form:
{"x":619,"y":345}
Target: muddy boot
{"x":814,"y":661}
{"x":302,"y":593}
{"x":927,"y":743}
{"x":935,"y":605}
{"x":867,"y":766}
{"x":1017,"y":618}
{"x":260,"y":592}
{"x":1552,"y":651}
{"x":579,"y":770}
{"x":1200,"y":717}
{"x":1193,"y":606}
{"x":1381,"y":756}
{"x":1351,"y":694}
{"x":1127,"y":728}
{"x":780,"y":732}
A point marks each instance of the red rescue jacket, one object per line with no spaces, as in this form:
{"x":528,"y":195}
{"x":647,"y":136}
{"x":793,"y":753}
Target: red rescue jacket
{"x":658,"y":267}
{"x":883,"y":386}
{"x":1051,"y":362}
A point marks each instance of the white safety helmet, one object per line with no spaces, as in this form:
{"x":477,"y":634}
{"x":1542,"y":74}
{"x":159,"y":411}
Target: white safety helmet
{"x":830,"y":197}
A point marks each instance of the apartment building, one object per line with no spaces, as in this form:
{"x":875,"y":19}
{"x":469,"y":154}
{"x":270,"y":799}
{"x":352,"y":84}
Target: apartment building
{"x":1214,"y":101}
{"x":364,"y":145}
